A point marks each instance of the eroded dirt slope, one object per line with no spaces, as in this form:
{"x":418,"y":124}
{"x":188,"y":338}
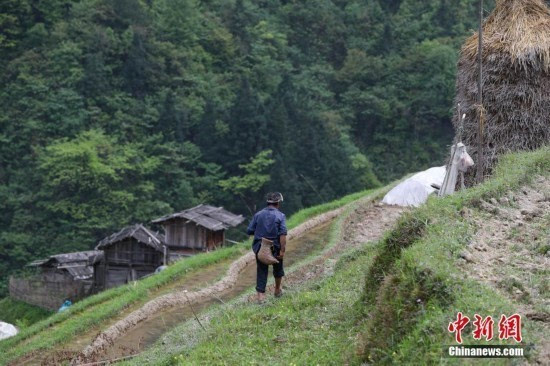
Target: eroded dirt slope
{"x":367,"y":223}
{"x":511,"y":253}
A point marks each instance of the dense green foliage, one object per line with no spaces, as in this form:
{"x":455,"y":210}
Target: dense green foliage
{"x":117,"y":111}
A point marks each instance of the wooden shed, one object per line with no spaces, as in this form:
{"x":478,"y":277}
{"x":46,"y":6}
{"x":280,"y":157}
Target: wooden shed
{"x":130,"y":254}
{"x":60,"y":277}
{"x":198,"y":229}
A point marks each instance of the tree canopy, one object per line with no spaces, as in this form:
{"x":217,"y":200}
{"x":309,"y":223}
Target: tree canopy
{"x":119,"y":111}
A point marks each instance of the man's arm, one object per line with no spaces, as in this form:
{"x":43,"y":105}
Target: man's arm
{"x":282,"y":236}
{"x":252,"y":226}
{"x":282,"y":240}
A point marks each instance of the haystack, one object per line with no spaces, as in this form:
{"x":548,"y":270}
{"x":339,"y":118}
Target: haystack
{"x":516,"y":82}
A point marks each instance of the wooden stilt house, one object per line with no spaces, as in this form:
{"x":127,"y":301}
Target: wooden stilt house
{"x":198,"y":229}
{"x":59,"y":277}
{"x":130,"y":254}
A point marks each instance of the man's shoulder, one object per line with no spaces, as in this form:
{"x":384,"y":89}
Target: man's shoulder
{"x":280,"y":214}
{"x":270,"y":211}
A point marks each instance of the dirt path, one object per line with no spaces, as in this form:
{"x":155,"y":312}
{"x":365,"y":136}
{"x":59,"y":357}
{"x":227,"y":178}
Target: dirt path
{"x":311,"y":243}
{"x":181,"y":298}
{"x":511,"y":253}
{"x":366,"y":224}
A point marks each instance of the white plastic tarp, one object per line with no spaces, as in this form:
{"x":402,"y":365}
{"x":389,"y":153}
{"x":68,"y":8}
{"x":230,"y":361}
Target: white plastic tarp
{"x":415,"y":190}
{"x":7,"y":330}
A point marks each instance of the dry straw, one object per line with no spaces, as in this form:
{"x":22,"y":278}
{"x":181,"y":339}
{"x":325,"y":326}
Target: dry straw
{"x":516,"y":82}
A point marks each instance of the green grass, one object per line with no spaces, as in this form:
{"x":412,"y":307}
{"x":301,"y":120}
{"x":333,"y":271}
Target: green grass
{"x":389,"y":303}
{"x":306,"y":213}
{"x":313,"y":325}
{"x":96,"y":309}
{"x":302,"y":313}
{"x":20,"y":313}
{"x":415,"y":285}
{"x":99,"y":308}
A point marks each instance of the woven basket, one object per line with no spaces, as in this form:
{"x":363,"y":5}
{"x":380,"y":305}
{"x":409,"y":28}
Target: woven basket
{"x":265,"y":254}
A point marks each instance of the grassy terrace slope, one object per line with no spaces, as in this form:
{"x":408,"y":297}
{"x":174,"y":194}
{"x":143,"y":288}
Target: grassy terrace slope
{"x":20,"y":313}
{"x":240,"y":319}
{"x":387,"y":303}
{"x":418,"y":281}
{"x":99,"y":309}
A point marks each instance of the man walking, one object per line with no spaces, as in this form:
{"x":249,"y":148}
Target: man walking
{"x":269,"y":223}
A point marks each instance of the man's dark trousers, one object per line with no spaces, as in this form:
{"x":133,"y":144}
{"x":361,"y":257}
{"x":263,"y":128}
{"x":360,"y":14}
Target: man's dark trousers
{"x":263,"y":269}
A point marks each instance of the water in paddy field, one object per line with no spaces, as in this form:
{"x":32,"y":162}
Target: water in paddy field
{"x":147,"y":332}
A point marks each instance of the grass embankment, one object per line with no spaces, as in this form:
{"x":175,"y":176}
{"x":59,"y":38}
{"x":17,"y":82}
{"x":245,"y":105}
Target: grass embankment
{"x":288,"y":318}
{"x":97,"y":309}
{"x":315,"y":326}
{"x":307,"y":213}
{"x":389,"y":303}
{"x":417,"y":284}
{"x":20,"y":313}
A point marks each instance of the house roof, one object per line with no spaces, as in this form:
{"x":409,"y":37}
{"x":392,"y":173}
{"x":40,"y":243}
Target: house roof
{"x":67,"y":258}
{"x":138,"y":232}
{"x":80,"y":272}
{"x":77,"y":263}
{"x":210,"y":217}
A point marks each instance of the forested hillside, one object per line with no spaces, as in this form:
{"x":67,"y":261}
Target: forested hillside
{"x":118,"y":111}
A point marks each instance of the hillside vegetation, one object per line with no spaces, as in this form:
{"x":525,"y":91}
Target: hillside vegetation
{"x":118,"y":111}
{"x":390,"y":302}
{"x":20,"y":313}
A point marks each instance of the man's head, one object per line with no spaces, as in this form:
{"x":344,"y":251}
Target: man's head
{"x":274,"y":199}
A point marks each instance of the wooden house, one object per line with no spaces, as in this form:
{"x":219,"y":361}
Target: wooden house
{"x":198,"y":229}
{"x":60,"y":277}
{"x":130,"y":254}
